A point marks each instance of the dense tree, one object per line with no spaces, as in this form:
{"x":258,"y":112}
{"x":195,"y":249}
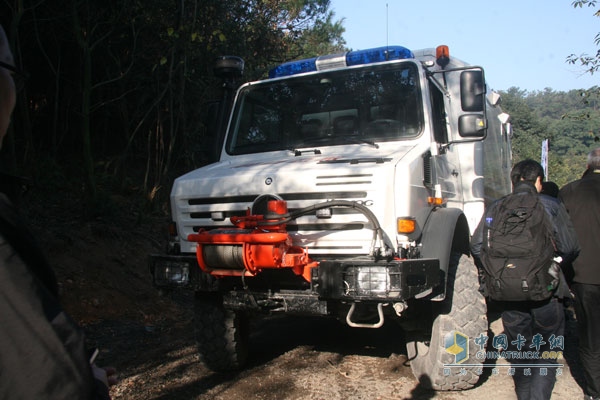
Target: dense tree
{"x":570,"y":120}
{"x":551,"y":115}
{"x":115,"y":89}
{"x":529,"y":130}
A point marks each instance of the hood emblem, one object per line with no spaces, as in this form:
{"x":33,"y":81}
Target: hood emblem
{"x":268,"y":181}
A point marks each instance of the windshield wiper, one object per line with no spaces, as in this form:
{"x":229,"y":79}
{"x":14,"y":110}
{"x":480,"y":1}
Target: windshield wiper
{"x":351,"y":139}
{"x":298,"y":153}
{"x":347,"y":139}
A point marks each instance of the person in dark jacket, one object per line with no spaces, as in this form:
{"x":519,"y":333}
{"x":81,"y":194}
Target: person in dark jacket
{"x":523,"y":321}
{"x":582,"y":200}
{"x":42,"y":350}
{"x":550,"y":188}
{"x":558,"y":213}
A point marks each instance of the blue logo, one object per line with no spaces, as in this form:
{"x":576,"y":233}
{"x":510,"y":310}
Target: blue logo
{"x":457,"y":344}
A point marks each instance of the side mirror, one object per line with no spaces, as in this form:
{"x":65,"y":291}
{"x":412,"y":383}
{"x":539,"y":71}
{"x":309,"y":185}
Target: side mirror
{"x":472,"y":125}
{"x":472,"y":91}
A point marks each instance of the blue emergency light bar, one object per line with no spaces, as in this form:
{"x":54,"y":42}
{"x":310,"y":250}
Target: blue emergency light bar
{"x":359,"y":57}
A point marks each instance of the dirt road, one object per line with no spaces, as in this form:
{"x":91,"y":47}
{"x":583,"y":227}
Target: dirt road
{"x":313,"y":359}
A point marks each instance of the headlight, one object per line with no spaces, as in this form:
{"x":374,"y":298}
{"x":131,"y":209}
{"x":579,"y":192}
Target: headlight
{"x":373,"y":281}
{"x":169,"y":273}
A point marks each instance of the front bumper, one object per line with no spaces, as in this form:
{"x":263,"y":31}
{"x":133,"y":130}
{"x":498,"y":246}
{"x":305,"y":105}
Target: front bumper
{"x":360,"y":279}
{"x":378,"y":280}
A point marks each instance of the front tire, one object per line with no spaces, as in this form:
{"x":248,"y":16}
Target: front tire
{"x":463,"y":312}
{"x":222,"y":335}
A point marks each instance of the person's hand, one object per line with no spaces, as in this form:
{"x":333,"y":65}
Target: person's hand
{"x":106,"y":375}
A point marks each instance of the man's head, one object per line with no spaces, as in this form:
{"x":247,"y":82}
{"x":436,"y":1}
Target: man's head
{"x":529,"y":171}
{"x":593,"y":160}
{"x":550,"y":188}
{"x":7,"y":85}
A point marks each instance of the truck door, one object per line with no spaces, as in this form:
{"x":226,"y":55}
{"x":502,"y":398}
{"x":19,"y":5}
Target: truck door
{"x":444,"y":164}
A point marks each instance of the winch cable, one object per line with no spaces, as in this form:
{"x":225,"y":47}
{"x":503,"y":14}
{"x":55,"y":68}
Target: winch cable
{"x":277,"y":219}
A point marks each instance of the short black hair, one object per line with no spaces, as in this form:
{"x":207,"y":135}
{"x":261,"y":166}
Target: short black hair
{"x":550,"y":188}
{"x":526,"y":170}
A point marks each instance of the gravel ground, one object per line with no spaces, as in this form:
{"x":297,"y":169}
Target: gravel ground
{"x":290,"y":358}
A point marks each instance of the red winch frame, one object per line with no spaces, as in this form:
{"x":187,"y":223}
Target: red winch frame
{"x":261,"y":242}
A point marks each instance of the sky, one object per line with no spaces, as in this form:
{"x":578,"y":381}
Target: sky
{"x":519,"y":43}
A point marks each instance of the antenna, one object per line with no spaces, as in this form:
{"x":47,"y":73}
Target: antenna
{"x":387,"y":39}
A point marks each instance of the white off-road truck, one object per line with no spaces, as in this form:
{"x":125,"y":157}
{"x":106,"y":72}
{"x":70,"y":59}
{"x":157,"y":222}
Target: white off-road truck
{"x":348,"y":186}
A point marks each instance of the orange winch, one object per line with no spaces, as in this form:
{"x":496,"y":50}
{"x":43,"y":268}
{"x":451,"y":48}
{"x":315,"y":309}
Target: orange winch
{"x":255,"y":243}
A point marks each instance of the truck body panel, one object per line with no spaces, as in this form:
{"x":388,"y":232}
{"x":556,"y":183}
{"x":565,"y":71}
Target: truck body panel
{"x":347,"y":185}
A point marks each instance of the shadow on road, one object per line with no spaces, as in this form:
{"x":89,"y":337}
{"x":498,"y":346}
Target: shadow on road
{"x":162,"y":360}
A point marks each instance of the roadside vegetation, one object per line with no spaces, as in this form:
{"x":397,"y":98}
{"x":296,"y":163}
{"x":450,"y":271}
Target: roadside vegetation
{"x":113,"y":96}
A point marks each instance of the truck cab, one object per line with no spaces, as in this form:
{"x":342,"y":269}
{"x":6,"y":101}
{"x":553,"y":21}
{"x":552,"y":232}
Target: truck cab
{"x":348,"y":186}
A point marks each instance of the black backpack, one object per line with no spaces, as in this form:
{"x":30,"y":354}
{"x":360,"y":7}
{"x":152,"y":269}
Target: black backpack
{"x":518,"y":249}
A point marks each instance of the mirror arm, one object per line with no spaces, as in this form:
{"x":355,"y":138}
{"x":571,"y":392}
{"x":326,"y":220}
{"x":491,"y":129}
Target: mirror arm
{"x":441,"y":87}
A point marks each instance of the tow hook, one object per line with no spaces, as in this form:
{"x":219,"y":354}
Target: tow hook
{"x":399,"y":308}
{"x":378,"y":324}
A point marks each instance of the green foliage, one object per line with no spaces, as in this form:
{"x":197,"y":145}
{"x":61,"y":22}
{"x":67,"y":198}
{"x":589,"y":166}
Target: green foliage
{"x":570,"y":120}
{"x":133,"y":116}
{"x":117,"y":88}
{"x":590,"y":63}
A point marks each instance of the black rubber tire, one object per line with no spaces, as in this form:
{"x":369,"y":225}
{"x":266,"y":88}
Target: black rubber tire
{"x":463,"y":310}
{"x":222,"y":335}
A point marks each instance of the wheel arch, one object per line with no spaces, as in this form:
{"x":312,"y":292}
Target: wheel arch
{"x":444,"y":231}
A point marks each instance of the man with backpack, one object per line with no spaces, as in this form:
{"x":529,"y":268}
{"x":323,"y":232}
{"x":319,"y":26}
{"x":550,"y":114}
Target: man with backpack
{"x":515,"y":247}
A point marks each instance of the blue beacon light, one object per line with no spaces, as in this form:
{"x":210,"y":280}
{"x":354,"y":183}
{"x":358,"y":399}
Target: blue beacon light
{"x":359,"y":57}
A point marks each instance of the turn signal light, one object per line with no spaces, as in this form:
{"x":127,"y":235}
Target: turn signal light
{"x":435,"y":201}
{"x":406,"y":225}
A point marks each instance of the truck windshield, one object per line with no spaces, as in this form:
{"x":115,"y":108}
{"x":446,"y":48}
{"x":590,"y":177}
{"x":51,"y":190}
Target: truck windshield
{"x":358,"y":105}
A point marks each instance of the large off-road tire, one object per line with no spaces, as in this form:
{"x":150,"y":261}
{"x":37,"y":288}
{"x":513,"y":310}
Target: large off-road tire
{"x":463,"y":311}
{"x":222,"y":335}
